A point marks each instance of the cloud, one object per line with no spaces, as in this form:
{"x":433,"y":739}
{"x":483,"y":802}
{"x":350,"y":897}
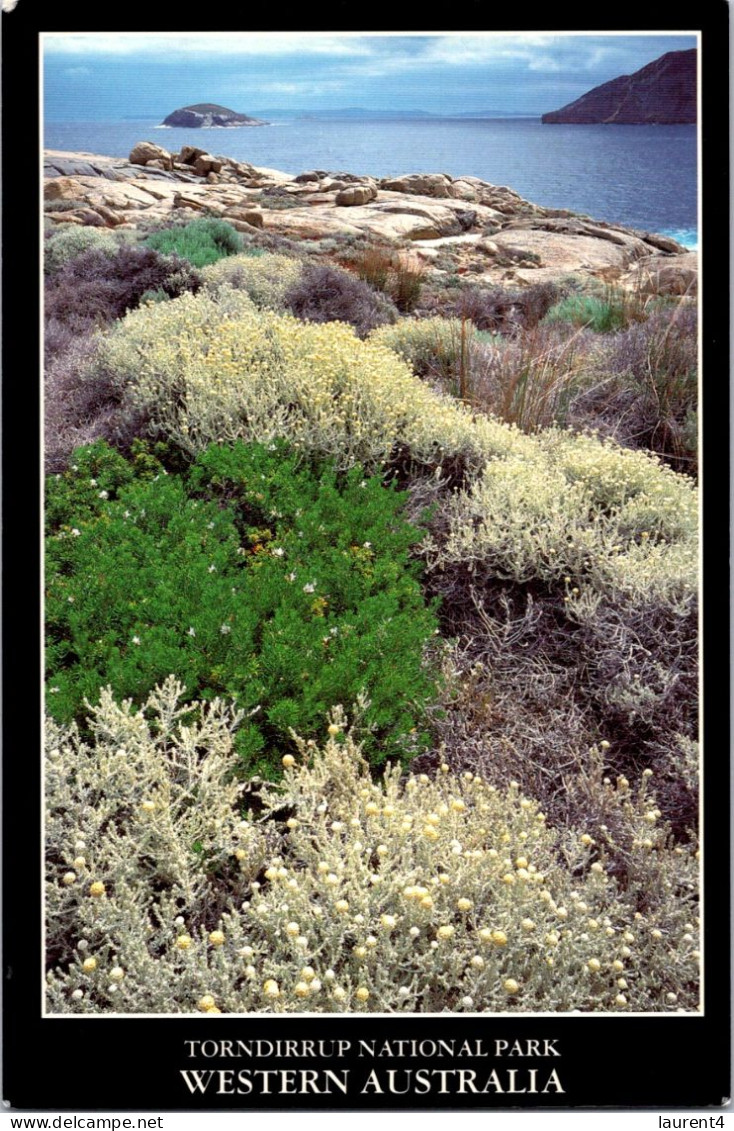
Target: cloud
{"x":204,"y":44}
{"x":74,"y":71}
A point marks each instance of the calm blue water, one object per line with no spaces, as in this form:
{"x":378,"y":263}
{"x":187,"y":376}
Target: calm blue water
{"x":641,"y":176}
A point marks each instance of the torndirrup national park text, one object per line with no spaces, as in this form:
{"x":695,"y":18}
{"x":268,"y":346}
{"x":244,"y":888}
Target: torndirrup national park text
{"x":482,"y":1080}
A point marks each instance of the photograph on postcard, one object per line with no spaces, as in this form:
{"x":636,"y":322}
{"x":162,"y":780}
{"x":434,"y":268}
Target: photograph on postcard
{"x":371,"y":621}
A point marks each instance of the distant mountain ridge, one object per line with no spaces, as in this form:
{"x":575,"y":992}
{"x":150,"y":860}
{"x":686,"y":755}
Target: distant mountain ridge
{"x":661,"y":93}
{"x":208,"y":114}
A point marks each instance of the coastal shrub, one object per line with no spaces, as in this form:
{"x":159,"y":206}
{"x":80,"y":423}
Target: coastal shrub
{"x":540,"y":506}
{"x":65,"y":244}
{"x":646,"y":392}
{"x":264,"y":278}
{"x":95,"y":287}
{"x":422,"y":895}
{"x":606,"y":522}
{"x":503,"y":311}
{"x":431,"y":346}
{"x":529,"y":691}
{"x":286,"y":590}
{"x":203,"y":369}
{"x":601,"y":311}
{"x":324,"y":293}
{"x":202,"y":241}
{"x":396,"y":274}
{"x":529,"y":379}
{"x":76,"y":411}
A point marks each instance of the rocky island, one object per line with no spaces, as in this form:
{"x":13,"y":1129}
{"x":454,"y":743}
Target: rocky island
{"x":661,"y":93}
{"x":209,"y":115}
{"x":452,"y":226}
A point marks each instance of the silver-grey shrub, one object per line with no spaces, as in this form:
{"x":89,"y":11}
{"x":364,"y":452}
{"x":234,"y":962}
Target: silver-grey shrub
{"x":419,"y":895}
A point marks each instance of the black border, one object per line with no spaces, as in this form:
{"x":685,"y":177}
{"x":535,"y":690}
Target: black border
{"x":105,"y":1064}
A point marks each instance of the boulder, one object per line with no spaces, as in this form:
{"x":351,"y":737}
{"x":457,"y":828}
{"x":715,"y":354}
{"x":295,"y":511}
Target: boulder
{"x":419,"y":184}
{"x":61,"y":188}
{"x":146,"y":151}
{"x":355,"y":194}
{"x":314,"y":175}
{"x":111,"y":219}
{"x":251,"y":216}
{"x":189,"y":153}
{"x":665,"y":275}
{"x":463,"y":190}
{"x":205,"y":163}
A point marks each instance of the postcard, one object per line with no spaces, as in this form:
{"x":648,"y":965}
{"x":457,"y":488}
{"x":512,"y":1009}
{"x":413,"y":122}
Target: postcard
{"x":371,"y":749}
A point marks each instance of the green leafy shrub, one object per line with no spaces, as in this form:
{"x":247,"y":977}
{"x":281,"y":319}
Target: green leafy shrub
{"x":201,"y":242}
{"x":603,"y":313}
{"x":264,"y":278}
{"x":345,"y":895}
{"x":66,"y":243}
{"x":284,"y":589}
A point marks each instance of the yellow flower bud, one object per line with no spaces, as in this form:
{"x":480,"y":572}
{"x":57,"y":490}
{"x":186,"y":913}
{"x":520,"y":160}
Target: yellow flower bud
{"x":216,"y":938}
{"x":183,"y":942}
{"x":511,"y":986}
{"x":89,"y":964}
{"x":97,"y":889}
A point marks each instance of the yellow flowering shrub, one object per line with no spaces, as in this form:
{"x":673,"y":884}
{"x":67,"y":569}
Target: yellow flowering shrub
{"x":605,"y":519}
{"x":265,"y":278}
{"x":428,"y":344}
{"x":202,"y":368}
{"x":397,"y":895}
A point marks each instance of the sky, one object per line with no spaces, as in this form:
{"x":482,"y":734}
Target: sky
{"x":99,"y":76}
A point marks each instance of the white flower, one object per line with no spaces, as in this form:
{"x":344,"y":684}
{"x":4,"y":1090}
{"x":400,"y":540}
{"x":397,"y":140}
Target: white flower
{"x":103,"y":495}
{"x":309,"y":587}
{"x":212,"y":569}
{"x":126,"y":514}
{"x":290,"y":577}
{"x":278,"y":551}
{"x":92,"y":482}
{"x":225,"y":629}
{"x":191,"y":632}
{"x":367,"y":545}
{"x":75,"y":533}
{"x":136,"y":640}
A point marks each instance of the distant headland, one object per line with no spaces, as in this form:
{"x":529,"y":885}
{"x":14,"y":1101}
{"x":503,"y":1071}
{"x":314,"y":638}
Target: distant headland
{"x":661,"y":93}
{"x":208,"y":115}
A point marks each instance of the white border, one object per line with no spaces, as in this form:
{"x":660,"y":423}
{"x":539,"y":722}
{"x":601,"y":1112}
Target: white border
{"x":366,"y":1015}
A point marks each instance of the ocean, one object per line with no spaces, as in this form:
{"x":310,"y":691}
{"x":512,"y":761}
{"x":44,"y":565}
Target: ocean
{"x":639,"y":176}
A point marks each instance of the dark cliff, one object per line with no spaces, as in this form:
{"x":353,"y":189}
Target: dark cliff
{"x":661,"y":93}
